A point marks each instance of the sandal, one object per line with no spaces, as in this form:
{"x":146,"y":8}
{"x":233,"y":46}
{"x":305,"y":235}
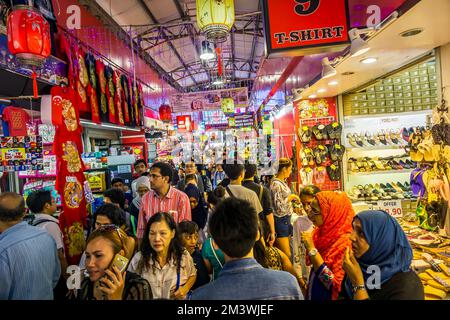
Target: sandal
{"x":337,"y":152}
{"x":320,"y":132}
{"x":334,"y":172}
{"x":305,"y":134}
{"x":334,"y":130}
{"x":320,"y":154}
{"x":352,"y":141}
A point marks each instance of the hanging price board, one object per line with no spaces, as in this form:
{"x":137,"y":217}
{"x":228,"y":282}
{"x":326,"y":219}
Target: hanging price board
{"x":393,"y":207}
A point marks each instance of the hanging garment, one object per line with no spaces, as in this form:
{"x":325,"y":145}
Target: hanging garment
{"x":118,"y":98}
{"x":70,"y":173}
{"x":101,"y":90}
{"x":110,"y":92}
{"x":125,"y":98}
{"x":16,"y":119}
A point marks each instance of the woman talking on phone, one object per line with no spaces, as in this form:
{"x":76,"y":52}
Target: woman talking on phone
{"x":108,"y":251}
{"x":162,"y":261}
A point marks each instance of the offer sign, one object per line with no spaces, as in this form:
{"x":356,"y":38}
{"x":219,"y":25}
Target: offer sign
{"x":12,"y":154}
{"x":184,"y":124}
{"x":393,"y":207}
{"x":305,"y":27}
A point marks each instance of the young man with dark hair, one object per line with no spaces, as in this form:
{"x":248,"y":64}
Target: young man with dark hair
{"x":264,"y":198}
{"x":140,"y":169}
{"x":29,"y":264}
{"x":234,"y":228}
{"x":43,"y":206}
{"x":117,"y":197}
{"x":188,"y":234}
{"x":118,"y":183}
{"x":162,"y":198}
{"x":236,"y":173}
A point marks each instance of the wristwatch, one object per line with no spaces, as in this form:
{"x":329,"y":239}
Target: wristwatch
{"x":359,"y":287}
{"x":312,"y":252}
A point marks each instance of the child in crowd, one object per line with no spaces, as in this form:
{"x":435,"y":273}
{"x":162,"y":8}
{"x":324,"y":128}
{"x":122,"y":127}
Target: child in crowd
{"x":188,"y":234}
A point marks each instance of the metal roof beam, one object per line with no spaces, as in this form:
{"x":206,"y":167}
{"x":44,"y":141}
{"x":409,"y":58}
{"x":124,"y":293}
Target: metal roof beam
{"x":172,"y":47}
{"x":255,"y":40}
{"x":190,"y":28}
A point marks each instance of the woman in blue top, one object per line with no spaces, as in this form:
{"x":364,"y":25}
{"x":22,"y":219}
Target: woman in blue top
{"x":379,"y":266}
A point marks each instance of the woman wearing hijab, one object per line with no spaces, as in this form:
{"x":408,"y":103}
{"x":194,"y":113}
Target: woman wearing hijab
{"x":196,"y":199}
{"x":379,"y":265}
{"x":332,"y":215}
{"x":142,"y":187}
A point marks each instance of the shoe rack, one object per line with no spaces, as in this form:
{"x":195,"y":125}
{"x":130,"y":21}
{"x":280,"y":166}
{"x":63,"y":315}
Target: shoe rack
{"x":376,"y":169}
{"x":328,"y":184}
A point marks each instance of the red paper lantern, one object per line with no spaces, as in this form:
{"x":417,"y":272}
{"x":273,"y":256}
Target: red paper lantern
{"x":165,"y":113}
{"x":28,"y":35}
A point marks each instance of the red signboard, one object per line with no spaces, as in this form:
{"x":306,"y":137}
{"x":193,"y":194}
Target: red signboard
{"x":305,"y":27}
{"x":184,"y":124}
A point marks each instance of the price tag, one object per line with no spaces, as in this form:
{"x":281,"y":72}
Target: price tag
{"x":393,"y":207}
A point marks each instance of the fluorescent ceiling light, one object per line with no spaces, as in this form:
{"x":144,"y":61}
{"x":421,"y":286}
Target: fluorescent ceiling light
{"x":313,"y":96}
{"x":358,"y":45}
{"x":369,"y":60}
{"x":207,"y":52}
{"x":322,"y":90}
{"x":333,"y":83}
{"x":327,"y":70}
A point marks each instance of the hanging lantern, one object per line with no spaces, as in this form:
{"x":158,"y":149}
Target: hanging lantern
{"x":28,"y":35}
{"x":165,"y":113}
{"x":215,"y":18}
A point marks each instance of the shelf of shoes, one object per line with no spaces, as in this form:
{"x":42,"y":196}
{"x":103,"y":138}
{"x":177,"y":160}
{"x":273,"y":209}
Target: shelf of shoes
{"x":381,"y":191}
{"x":311,"y":172}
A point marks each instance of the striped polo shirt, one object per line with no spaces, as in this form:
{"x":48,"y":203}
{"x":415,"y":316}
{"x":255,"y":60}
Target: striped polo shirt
{"x":175,"y":202}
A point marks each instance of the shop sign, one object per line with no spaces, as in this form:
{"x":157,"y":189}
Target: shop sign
{"x":209,"y":100}
{"x":306,"y":27}
{"x":393,"y":207}
{"x":242,"y":120}
{"x":184,"y":123}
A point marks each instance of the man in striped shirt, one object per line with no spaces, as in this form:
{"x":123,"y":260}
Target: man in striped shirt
{"x":162,"y":198}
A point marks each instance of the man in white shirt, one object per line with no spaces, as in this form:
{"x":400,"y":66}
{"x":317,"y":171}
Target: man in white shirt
{"x":236,"y":174}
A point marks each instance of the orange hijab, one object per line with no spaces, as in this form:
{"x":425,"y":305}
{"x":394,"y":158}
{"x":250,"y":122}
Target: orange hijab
{"x":332,"y":238}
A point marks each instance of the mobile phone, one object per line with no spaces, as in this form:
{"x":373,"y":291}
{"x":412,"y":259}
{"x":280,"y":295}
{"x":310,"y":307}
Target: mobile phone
{"x":118,"y":261}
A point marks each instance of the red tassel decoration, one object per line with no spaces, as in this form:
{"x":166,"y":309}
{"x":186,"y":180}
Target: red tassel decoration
{"x":219,"y":62}
{"x":35,"y":86}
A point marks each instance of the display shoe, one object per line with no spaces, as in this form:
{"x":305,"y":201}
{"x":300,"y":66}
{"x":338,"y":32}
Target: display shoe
{"x":334,"y":130}
{"x":404,"y":164}
{"x":320,"y":154}
{"x":412,"y":165}
{"x":305,"y":134}
{"x":358,"y":140}
{"x":370,"y":139}
{"x":405,"y":134}
{"x":387,"y":135}
{"x":351,"y":140}
{"x":337,"y":152}
{"x":394,"y":137}
{"x":382,"y":138}
{"x":320,"y":132}
{"x":334,"y":172}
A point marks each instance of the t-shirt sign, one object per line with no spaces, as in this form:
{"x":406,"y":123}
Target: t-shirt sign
{"x":305,"y":27}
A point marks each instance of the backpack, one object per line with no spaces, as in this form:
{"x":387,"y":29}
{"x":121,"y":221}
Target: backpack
{"x":31,"y":220}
